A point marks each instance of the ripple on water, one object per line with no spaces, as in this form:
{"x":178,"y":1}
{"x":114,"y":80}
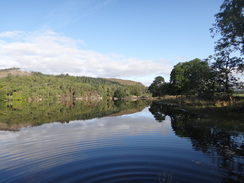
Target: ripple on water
{"x":103,"y":150}
{"x":129,"y":166}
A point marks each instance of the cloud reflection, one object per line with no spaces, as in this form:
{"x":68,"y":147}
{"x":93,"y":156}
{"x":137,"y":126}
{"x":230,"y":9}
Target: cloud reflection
{"x":56,"y":143}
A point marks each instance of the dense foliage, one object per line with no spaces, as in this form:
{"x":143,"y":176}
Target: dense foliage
{"x":190,"y":78}
{"x":197,"y":77}
{"x":157,"y":88}
{"x":187,"y":78}
{"x":42,"y":87}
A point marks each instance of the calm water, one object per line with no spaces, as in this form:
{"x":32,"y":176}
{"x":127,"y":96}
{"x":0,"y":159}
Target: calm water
{"x":135,"y":148}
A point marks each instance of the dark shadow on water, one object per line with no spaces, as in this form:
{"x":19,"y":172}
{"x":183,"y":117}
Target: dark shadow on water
{"x":223,"y":143}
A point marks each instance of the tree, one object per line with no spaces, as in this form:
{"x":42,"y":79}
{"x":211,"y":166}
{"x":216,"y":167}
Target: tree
{"x":177,"y":79}
{"x":223,"y":67}
{"x":156,"y":87}
{"x":165,"y":89}
{"x":198,"y":76}
{"x":190,"y":78}
{"x":230,"y":25}
{"x":119,"y":93}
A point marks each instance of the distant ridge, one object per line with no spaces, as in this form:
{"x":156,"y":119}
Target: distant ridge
{"x":14,"y":72}
{"x":124,"y":82}
{"x":17,"y":72}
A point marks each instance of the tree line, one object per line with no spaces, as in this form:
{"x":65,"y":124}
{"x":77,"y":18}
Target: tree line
{"x":198,"y":78}
{"x":217,"y":73}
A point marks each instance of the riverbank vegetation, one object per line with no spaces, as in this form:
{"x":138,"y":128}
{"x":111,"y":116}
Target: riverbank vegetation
{"x":228,"y":112}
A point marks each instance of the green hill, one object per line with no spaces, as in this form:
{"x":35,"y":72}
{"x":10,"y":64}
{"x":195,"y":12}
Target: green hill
{"x":36,"y":86}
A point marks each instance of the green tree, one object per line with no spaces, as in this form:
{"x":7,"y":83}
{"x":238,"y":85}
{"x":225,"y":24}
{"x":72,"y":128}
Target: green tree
{"x":119,"y":93}
{"x":198,"y":78}
{"x":224,"y":66}
{"x":229,"y":23}
{"x":177,"y":79}
{"x":156,"y":87}
{"x":190,"y":78}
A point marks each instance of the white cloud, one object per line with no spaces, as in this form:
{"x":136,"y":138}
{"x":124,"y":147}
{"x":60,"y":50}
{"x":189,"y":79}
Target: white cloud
{"x":53,"y":53}
{"x":9,"y":34}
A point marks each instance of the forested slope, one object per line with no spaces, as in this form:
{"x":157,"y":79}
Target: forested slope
{"x":37,"y":86}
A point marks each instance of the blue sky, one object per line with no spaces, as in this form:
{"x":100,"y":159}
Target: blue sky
{"x":128,"y":39}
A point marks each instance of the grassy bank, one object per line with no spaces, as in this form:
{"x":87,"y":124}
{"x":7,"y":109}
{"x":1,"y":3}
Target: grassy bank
{"x":227,"y":114}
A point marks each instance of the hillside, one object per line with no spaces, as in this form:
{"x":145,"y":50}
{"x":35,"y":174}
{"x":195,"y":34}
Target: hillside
{"x":124,"y":82}
{"x":36,"y":86}
{"x":13,"y":72}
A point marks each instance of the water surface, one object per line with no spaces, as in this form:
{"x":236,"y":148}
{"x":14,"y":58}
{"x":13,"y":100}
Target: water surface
{"x":140,"y":147}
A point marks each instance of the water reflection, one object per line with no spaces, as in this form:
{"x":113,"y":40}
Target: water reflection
{"x":99,"y":144}
{"x":17,"y":115}
{"x":128,"y":145}
{"x":224,"y":146}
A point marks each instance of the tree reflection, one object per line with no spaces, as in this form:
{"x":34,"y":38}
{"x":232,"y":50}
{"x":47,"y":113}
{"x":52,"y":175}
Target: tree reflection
{"x":224,"y":146}
{"x":158,"y":112}
{"x":17,"y":115}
